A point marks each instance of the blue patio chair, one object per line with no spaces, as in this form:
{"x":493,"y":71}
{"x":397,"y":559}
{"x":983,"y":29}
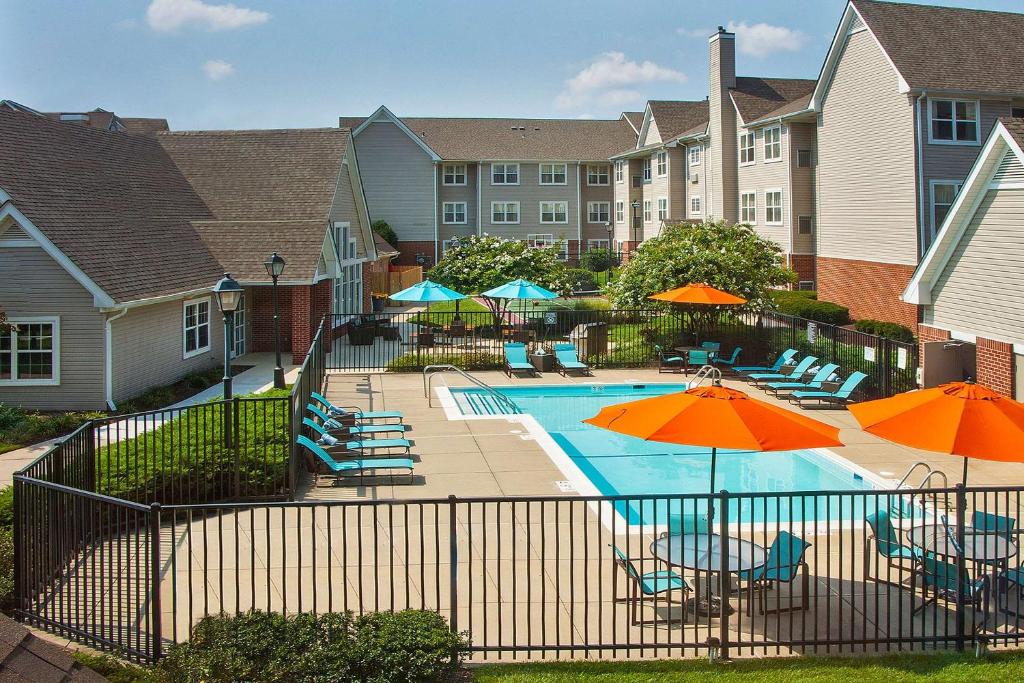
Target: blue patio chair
{"x":333,"y":425}
{"x":355,"y":413}
{"x":825,"y":373}
{"x":786,"y":356}
{"x":729,"y":363}
{"x":649,"y":585}
{"x":669,"y":363}
{"x":329,"y":440}
{"x":687,"y":523}
{"x":516,"y":359}
{"x":793,"y":375}
{"x":784,"y":563}
{"x":887,"y":546}
{"x":713,"y":347}
{"x":567,"y":360}
{"x":995,"y":524}
{"x":938,"y":577}
{"x":349,"y":467}
{"x":1005,"y":580}
{"x":697,"y":358}
{"x":838,"y":398}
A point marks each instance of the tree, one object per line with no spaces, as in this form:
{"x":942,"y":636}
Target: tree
{"x":384,"y":229}
{"x":732,"y":258}
{"x":597,"y":260}
{"x":482,"y":263}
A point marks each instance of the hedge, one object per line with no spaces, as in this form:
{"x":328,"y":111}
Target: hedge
{"x":805,"y":304}
{"x":886,"y":329}
{"x":474,"y":360}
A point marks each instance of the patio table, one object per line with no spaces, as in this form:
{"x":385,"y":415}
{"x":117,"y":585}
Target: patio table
{"x":979,"y":546}
{"x":703,"y":552}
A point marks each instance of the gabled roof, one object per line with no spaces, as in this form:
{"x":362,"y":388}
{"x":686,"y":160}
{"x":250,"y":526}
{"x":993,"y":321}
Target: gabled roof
{"x":240,"y":247}
{"x":675,"y":117}
{"x":24,"y":657}
{"x":634,"y":119}
{"x":480,"y":139}
{"x":144,"y":126}
{"x":1006,"y":139}
{"x":384,"y":248}
{"x":755,"y":98}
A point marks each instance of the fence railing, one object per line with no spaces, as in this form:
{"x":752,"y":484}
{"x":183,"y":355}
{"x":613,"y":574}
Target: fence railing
{"x":309,"y":379}
{"x":610,"y":338}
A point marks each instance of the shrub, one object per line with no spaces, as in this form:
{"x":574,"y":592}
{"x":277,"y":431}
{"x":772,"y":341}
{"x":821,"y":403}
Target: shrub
{"x":580,"y":280}
{"x":261,"y":646}
{"x":384,"y":229}
{"x":116,"y":670}
{"x":886,"y":329}
{"x":806,"y":305}
{"x":477,"y":360}
{"x":597,"y":260}
{"x":7,"y":507}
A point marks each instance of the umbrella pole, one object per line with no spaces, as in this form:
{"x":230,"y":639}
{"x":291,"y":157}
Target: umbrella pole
{"x":965,"y":470}
{"x":711,"y":502}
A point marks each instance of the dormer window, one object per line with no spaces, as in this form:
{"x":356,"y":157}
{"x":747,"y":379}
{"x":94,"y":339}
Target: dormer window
{"x":953,"y":121}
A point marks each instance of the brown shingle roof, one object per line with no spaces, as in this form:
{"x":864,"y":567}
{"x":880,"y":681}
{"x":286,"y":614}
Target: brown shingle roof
{"x":635,"y":118}
{"x":950,"y":48}
{"x":755,"y":97}
{"x":676,"y":117}
{"x":799,"y":104}
{"x":24,"y":657}
{"x":384,"y":248}
{"x":141,"y":126}
{"x":300,"y":243}
{"x":1015,"y":127}
{"x":519,"y":139}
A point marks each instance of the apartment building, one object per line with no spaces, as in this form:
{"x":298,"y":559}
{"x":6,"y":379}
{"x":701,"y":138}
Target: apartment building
{"x":545,"y":181}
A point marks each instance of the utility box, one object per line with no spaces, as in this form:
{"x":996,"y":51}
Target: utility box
{"x":591,"y":339}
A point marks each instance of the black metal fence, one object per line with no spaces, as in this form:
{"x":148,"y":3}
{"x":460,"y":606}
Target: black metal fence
{"x":608,"y":339}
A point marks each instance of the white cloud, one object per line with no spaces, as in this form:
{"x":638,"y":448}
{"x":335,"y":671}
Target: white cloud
{"x":168,"y":15}
{"x":217,"y":69}
{"x":610,"y":79}
{"x":695,"y":32}
{"x":761,"y":40}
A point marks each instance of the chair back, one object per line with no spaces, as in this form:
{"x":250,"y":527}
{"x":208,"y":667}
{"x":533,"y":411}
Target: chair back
{"x":938,"y":573}
{"x":802,"y":366}
{"x":623,"y":561}
{"x":711,"y":346}
{"x":324,"y":402}
{"x":786,"y":356}
{"x":785,"y":556}
{"x":886,"y":539}
{"x":316,"y":450}
{"x":824,"y":372}
{"x":697,"y":357}
{"x":660,"y":351}
{"x":850,"y":385}
{"x":997,"y":524}
{"x":733,"y":358}
{"x":566,"y":353}
{"x":515,"y":352}
{"x":314,"y":426}
{"x":326,"y":419}
{"x":688,"y":523}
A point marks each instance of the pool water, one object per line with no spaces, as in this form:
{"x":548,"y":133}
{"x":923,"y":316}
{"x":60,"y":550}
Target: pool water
{"x":619,"y":465}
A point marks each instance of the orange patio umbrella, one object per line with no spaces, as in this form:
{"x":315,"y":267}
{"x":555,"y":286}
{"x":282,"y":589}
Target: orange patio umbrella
{"x":717,"y":417}
{"x":959,"y":418}
{"x":699,"y":294}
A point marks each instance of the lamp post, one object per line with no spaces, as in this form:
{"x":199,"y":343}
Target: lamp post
{"x":275,"y":266}
{"x":455,"y":244}
{"x":636,"y":219}
{"x":229,"y":295}
{"x":608,"y":271}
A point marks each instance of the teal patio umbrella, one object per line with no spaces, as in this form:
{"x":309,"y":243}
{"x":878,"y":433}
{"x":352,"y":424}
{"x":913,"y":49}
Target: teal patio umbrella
{"x":519,"y":289}
{"x":427,"y":292}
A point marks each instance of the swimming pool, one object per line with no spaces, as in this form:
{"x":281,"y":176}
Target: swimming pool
{"x":619,"y":465}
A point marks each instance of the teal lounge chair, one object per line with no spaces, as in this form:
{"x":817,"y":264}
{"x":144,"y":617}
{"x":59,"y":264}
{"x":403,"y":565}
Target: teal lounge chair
{"x":650,"y":585}
{"x":331,"y":441}
{"x":355,"y":413}
{"x":824,"y":373}
{"x":786,"y":356}
{"x":332,"y":425}
{"x":516,"y":360}
{"x":566,"y":360}
{"x":838,"y":398}
{"x":793,"y":375}
{"x":784,"y":563}
{"x":888,"y":547}
{"x":351,"y":467}
{"x":730,"y":362}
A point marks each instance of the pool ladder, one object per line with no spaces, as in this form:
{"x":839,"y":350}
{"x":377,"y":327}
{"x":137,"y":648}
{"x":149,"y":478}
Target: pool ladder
{"x":432,"y":371}
{"x":706,"y":372}
{"x":898,"y":509}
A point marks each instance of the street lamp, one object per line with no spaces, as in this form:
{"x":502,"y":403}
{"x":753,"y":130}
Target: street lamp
{"x":608,"y":274}
{"x":229,"y":296}
{"x":275,"y":266}
{"x":455,"y":244}
{"x":636,"y":219}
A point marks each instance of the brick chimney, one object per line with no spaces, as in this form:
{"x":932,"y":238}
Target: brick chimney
{"x":721,"y":153}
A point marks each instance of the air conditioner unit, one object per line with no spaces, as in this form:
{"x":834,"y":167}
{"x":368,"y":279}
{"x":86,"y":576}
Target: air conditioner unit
{"x":694,"y":178}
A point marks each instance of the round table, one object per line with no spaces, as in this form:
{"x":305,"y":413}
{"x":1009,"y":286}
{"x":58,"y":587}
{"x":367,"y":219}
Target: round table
{"x":979,"y":546}
{"x":703,"y":552}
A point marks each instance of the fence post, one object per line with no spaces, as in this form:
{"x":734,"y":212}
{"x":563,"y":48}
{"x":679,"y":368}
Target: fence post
{"x":961,"y":568}
{"x":724,"y":579}
{"x":20,"y":597}
{"x":154,"y":600}
{"x":453,"y":558}
{"x":886,"y":367}
{"x":234,"y":407}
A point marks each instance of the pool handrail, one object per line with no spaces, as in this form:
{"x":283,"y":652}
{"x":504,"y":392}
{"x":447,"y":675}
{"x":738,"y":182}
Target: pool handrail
{"x":431,"y":371}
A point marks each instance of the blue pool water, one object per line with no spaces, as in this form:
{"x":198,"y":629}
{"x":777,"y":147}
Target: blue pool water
{"x":623,"y":465}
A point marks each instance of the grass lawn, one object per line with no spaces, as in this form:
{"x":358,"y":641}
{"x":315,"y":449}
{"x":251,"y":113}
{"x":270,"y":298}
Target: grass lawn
{"x":1004,"y":666}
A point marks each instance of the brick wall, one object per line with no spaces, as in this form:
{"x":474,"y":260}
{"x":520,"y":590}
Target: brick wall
{"x":803,"y":264}
{"x":868,"y":289}
{"x":995,"y":365}
{"x":261,"y":311}
{"x":302,"y":321}
{"x":408,"y":251}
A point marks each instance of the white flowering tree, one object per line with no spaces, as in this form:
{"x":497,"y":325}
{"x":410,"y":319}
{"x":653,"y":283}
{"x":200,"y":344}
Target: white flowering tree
{"x":482,"y":263}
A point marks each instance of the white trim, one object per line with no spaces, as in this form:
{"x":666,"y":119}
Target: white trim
{"x":764,"y":145}
{"x":519,"y":213}
{"x":740,"y":148}
{"x":479,"y":205}
{"x":437,"y":228}
{"x":608,"y":172}
{"x":599,"y":221}
{"x":108,"y":357}
{"x":54,"y":353}
{"x":782,"y":213}
{"x":690,"y":149}
{"x":362,"y":211}
{"x":385,"y":113}
{"x":662,"y":153}
{"x":455,"y":211}
{"x":748,"y":193}
{"x":540,"y":173}
{"x":455,"y":174}
{"x":553,"y":212}
{"x":100,"y":299}
{"x":642,"y":134}
{"x":209,"y":325}
{"x":933,"y":227}
{"x":504,"y":165}
{"x":976,"y":142}
{"x":618,"y":171}
{"x":699,"y":211}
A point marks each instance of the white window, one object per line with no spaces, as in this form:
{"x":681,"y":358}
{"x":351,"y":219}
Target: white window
{"x":647,"y":211}
{"x":597,"y":175}
{"x":943,"y":193}
{"x":598,"y":212}
{"x":773,"y":207}
{"x":805,"y":225}
{"x":504,"y":212}
{"x":695,"y":155}
{"x":504,"y":174}
{"x":238,"y":333}
{"x":597,"y":244}
{"x":618,"y":172}
{"x":805,"y":285}
{"x":773,"y":144}
{"x":647,"y":170}
{"x":454,"y":174}
{"x":196,"y":327}
{"x":554,"y":212}
{"x":30,"y":352}
{"x":455,"y":212}
{"x":748,"y":207}
{"x":662,"y":208}
{"x":620,"y":211}
{"x":953,"y":121}
{"x":662,"y":159}
{"x":695,"y":206}
{"x":348,"y":284}
{"x":552,"y":174}
{"x":544,"y":240}
{"x":747,"y":148}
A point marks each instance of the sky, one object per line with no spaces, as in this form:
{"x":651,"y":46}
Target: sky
{"x":207,"y":64}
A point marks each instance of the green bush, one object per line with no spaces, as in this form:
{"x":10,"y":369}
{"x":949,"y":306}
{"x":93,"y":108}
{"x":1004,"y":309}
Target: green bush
{"x":580,"y":280}
{"x":384,"y":229}
{"x":806,"y":305}
{"x":6,"y":568}
{"x":597,"y":260}
{"x":260,"y":646}
{"x":7,"y":507}
{"x":881,"y":328}
{"x":475,"y":360}
{"x":116,"y":670}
